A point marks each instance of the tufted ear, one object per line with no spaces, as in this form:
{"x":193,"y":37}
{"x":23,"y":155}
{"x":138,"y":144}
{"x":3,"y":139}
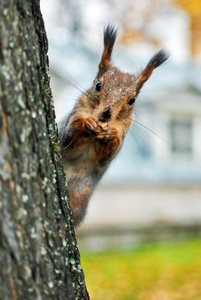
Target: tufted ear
{"x":157,"y":60}
{"x":110,"y":34}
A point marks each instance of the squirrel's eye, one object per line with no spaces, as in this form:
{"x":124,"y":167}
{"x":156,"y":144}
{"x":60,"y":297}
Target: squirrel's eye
{"x":98,"y":86}
{"x":131,"y":101}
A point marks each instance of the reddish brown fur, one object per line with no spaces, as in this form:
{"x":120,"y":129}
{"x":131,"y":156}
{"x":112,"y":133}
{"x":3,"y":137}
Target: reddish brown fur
{"x":94,"y":132}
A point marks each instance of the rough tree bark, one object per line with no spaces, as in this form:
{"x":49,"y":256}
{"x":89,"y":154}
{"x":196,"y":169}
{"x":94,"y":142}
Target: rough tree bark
{"x":39,"y":258}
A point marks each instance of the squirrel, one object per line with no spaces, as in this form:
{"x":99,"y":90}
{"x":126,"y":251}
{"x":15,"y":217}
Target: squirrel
{"x":93,"y":133}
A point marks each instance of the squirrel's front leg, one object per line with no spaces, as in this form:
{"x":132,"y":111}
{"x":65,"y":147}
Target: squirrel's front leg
{"x":107,"y":145}
{"x":91,"y":125}
{"x":79,"y":132}
{"x":107,"y":140}
{"x":71,"y":134}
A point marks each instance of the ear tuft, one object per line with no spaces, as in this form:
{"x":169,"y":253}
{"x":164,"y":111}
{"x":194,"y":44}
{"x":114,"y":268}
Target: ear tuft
{"x":157,"y":60}
{"x":110,"y":34}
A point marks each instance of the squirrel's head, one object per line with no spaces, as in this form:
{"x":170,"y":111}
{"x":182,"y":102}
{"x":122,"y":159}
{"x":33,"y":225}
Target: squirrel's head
{"x":110,"y":34}
{"x":114,"y":92}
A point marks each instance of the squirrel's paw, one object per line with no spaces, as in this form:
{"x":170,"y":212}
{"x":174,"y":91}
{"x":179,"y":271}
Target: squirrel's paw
{"x":108,"y":133}
{"x":91,"y":124}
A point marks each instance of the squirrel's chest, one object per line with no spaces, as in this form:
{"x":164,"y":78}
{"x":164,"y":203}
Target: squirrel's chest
{"x":79,"y":163}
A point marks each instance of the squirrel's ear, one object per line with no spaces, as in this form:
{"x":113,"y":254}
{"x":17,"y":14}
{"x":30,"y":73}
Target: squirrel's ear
{"x":158,"y":59}
{"x":110,"y":34}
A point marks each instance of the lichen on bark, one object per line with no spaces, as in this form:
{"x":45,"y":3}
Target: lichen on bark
{"x":39,"y":258}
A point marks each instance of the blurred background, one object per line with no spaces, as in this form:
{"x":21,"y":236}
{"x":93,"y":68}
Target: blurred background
{"x":152,"y":190}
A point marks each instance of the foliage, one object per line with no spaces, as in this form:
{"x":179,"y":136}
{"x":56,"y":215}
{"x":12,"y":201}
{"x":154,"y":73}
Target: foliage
{"x":193,"y":9}
{"x":159,"y":271}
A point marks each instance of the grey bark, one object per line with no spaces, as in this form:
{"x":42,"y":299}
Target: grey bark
{"x":39,"y":258}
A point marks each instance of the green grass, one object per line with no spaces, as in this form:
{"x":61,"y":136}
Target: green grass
{"x":159,"y":271}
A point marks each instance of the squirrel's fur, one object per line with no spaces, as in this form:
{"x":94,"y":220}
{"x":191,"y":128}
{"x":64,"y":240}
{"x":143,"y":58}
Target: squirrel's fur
{"x":92,"y":134}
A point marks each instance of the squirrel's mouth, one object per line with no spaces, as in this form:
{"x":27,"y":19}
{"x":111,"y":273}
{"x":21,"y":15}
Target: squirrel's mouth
{"x":106,"y":115}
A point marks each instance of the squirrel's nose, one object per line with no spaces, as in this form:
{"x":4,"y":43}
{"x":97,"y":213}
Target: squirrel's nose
{"x":106,"y":115}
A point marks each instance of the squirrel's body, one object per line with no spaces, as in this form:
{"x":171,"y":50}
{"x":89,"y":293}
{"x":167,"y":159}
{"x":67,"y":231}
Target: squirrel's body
{"x":93,"y":133}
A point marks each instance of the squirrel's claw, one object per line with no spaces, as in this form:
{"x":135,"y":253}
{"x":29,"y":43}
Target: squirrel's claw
{"x":91,"y":124}
{"x":108,"y":134}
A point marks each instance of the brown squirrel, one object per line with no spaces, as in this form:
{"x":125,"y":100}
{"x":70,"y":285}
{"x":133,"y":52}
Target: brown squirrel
{"x":92,"y":135}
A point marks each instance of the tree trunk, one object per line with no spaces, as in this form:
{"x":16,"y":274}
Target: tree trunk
{"x":39,"y":258}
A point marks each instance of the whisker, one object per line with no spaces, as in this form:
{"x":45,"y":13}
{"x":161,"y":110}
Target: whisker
{"x":146,"y":136}
{"x":150,"y":130}
{"x":71,"y":93}
{"x":68,"y":99}
{"x":133,"y":135}
{"x":66,"y":147}
{"x":75,"y":83}
{"x":69,"y":80}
